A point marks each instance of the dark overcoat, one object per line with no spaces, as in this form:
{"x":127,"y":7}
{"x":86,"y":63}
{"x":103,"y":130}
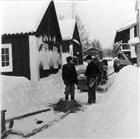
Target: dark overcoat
{"x":92,"y":71}
{"x":69,"y":74}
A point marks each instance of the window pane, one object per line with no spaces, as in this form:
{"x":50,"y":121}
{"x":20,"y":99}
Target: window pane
{"x":3,"y":64}
{"x":2,"y":51}
{"x":7,"y":57}
{"x":6,"y":50}
{"x":3,"y":57}
{"x":7,"y":63}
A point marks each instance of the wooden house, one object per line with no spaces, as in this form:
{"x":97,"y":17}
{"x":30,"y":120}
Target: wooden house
{"x":93,"y":52}
{"x":31,"y":39}
{"x":71,"y":44}
{"x":124,"y":34}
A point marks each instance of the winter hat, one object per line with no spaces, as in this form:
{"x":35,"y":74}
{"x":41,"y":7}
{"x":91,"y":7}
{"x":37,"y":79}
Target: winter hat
{"x":88,"y":57}
{"x":69,"y":58}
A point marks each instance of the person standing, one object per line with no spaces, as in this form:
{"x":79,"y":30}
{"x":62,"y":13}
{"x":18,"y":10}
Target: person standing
{"x":69,"y":77}
{"x":99,"y":64}
{"x":92,"y":73}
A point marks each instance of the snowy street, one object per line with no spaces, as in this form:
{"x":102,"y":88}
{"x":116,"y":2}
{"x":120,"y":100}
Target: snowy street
{"x":115,"y":115}
{"x":70,"y":69}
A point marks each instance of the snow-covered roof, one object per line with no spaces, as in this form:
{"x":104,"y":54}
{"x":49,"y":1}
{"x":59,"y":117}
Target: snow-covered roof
{"x":134,"y":41}
{"x":127,"y":25}
{"x":91,"y":47}
{"x":22,"y":16}
{"x":67,"y":28}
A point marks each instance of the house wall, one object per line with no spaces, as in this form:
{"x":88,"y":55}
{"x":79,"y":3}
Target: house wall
{"x":77,"y":47}
{"x":34,"y":68}
{"x":20,"y":55}
{"x":66,"y":50}
{"x":72,"y":48}
{"x":48,"y":42}
{"x":65,"y":46}
{"x":123,"y":35}
{"x":133,"y":54}
{"x":94,"y":52}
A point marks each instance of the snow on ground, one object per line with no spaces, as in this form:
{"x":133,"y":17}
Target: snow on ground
{"x":20,"y":96}
{"x":115,"y":115}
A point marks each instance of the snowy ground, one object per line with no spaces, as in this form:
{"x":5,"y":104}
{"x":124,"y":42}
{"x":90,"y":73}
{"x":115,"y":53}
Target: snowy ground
{"x":115,"y":115}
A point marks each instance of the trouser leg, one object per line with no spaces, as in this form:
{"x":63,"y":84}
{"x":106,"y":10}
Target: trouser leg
{"x":72,"y":97}
{"x":67,"y":92}
{"x":89,"y":95}
{"x":66,"y":97}
{"x":72,"y":89}
{"x":94,"y":93}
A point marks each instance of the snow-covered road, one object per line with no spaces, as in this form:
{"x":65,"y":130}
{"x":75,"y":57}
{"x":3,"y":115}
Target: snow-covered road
{"x":115,"y":115}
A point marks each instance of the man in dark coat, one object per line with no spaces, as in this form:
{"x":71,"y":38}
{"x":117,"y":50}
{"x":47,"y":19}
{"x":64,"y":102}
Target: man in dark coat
{"x":99,"y":64}
{"x":92,"y":72}
{"x":69,"y":77}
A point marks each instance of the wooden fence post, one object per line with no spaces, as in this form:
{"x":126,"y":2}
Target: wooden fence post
{"x":3,"y":121}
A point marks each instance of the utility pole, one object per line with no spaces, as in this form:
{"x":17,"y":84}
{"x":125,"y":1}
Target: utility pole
{"x":137,"y":8}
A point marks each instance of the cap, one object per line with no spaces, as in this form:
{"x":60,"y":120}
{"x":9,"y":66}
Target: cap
{"x":69,"y":58}
{"x":88,"y":57}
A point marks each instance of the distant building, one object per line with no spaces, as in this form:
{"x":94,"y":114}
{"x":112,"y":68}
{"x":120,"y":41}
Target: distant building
{"x":71,"y":44}
{"x":93,"y":52}
{"x":31,"y":39}
{"x":123,"y":36}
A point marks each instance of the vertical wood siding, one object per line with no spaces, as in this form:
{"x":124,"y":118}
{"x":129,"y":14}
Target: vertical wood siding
{"x":49,"y":27}
{"x":77,"y":47}
{"x":20,"y":55}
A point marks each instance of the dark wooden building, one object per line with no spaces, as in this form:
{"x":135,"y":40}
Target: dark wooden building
{"x":31,"y":39}
{"x":93,"y":52}
{"x":71,"y":44}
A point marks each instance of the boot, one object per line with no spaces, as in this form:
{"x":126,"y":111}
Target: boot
{"x":66,"y":97}
{"x":72,"y":97}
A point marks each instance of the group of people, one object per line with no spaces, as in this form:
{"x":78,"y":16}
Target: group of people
{"x":93,"y":72}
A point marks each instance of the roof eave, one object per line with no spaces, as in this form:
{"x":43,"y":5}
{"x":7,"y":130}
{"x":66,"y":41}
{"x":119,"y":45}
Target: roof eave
{"x":19,"y":34}
{"x":125,"y":28}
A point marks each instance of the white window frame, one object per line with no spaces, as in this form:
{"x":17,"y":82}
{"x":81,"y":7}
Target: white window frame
{"x":8,"y":68}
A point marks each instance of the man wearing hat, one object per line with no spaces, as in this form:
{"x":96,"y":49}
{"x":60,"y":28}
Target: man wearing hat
{"x":69,"y":77}
{"x":92,"y":72}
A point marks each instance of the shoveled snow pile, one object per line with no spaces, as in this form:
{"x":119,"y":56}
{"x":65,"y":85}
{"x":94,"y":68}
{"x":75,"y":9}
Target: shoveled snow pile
{"x":121,"y":105}
{"x":20,"y":96}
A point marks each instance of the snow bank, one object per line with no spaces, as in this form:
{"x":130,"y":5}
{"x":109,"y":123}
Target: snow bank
{"x":20,"y":96}
{"x":115,"y":115}
{"x":121,"y":111}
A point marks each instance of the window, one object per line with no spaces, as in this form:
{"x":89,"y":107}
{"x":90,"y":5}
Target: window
{"x":6,"y":58}
{"x":135,"y":31}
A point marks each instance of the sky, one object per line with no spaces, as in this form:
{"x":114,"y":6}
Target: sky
{"x":101,"y":18}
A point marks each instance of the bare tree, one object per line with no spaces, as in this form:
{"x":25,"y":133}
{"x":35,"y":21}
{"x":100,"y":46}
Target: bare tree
{"x":115,"y":48}
{"x":107,"y":52}
{"x":96,"y":43}
{"x":61,"y":17}
{"x":84,"y":35}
